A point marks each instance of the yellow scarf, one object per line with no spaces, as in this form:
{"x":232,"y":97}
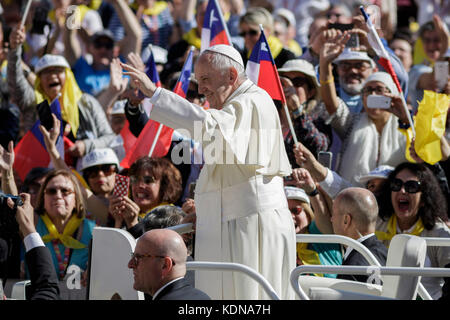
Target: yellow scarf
{"x":392,"y":229}
{"x":295,"y":48}
{"x":81,"y":12}
{"x":71,"y":94}
{"x":157,"y":8}
{"x":192,"y":38}
{"x":142,"y":215}
{"x":95,"y":4}
{"x":275,"y":46}
{"x":307,"y":256}
{"x":66,"y":237}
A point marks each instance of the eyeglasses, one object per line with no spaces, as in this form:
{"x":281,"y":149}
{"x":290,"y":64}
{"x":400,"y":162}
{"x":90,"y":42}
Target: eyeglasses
{"x":300,"y":82}
{"x":378,"y":90}
{"x":94,"y":171}
{"x":251,"y":32}
{"x":145,"y":179}
{"x":430,"y":40}
{"x":136,"y":257}
{"x":361,"y":66}
{"x":105,"y":44}
{"x":64,"y":191}
{"x":411,"y":186}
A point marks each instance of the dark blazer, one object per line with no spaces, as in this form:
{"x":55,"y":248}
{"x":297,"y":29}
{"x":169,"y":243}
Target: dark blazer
{"x":44,"y":281}
{"x":375,"y":246}
{"x":181,"y":290}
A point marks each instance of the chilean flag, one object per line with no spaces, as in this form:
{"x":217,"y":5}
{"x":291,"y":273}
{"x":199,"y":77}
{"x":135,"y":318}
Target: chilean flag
{"x":261,"y":69}
{"x":30,"y":152}
{"x":214,"y":30}
{"x":380,"y":50}
{"x":182,"y":85}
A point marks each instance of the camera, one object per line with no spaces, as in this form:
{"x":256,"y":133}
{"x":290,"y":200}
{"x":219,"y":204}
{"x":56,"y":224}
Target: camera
{"x":3,"y":198}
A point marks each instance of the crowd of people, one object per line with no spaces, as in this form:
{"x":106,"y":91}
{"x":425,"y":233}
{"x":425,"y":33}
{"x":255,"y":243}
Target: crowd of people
{"x":255,"y":186}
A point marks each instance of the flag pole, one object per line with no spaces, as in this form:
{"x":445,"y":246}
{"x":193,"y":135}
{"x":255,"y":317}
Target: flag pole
{"x":158,"y":133}
{"x":286,"y":110}
{"x":25,"y":14}
{"x":381,"y":46}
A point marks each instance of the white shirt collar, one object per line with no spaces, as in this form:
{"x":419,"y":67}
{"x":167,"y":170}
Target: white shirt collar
{"x":161,"y":289}
{"x":363,"y":238}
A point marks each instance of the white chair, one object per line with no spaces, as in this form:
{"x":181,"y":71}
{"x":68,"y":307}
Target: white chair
{"x":404,"y":251}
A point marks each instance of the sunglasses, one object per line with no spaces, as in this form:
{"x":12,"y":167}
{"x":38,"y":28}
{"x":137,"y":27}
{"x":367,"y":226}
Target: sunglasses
{"x":104,"y":44}
{"x":145,"y":179}
{"x":411,"y":186}
{"x":136,"y":257}
{"x":300,"y":82}
{"x":53,"y":191}
{"x":93,"y":172}
{"x":378,"y":90}
{"x":192,"y":94}
{"x":361,"y":66}
{"x":251,"y":32}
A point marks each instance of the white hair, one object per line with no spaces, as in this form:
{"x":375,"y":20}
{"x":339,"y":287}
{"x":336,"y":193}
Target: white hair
{"x":223,"y":63}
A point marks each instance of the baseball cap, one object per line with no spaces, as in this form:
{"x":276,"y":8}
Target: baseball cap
{"x":228,"y":51}
{"x":302,"y":66}
{"x":294,"y":193}
{"x":51,"y":60}
{"x":383,"y":77}
{"x":103,"y":33}
{"x":99,"y":156}
{"x":119,"y":107}
{"x":348,"y":54}
{"x":382,"y":172}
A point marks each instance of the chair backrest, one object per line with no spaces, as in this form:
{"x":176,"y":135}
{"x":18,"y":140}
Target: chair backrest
{"x":110,"y":277}
{"x":404,"y":251}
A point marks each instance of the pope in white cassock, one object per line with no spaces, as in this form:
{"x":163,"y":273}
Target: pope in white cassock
{"x":242,"y":211}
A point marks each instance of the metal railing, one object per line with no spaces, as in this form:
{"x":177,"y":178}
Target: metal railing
{"x":228,"y":266}
{"x":358,"y":246}
{"x":363,"y":270}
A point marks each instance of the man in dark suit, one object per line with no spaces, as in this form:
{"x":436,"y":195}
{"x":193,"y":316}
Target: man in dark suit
{"x":355,"y":212}
{"x":159,"y":267}
{"x":44,"y":281}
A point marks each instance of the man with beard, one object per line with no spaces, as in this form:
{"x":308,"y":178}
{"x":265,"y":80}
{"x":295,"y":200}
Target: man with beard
{"x":353,"y":68}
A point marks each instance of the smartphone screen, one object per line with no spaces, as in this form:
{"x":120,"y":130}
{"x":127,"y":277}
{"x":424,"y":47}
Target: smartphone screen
{"x":325,"y":158}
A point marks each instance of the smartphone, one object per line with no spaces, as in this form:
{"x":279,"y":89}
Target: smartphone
{"x":192,"y":190}
{"x":378,"y":102}
{"x":441,"y":74}
{"x":45,"y":115}
{"x":341,"y":26}
{"x":121,"y":185}
{"x":325,"y":158}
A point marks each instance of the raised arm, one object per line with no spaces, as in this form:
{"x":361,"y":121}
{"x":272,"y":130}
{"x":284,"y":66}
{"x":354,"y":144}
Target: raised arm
{"x":20,"y":90}
{"x":6,"y":166}
{"x":330,"y":51}
{"x":132,"y":42}
{"x":72,"y":48}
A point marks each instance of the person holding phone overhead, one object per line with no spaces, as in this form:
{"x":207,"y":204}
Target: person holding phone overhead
{"x":89,"y":127}
{"x":375,"y":127}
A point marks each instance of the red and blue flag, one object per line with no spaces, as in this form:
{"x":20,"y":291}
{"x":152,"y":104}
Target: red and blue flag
{"x":214,"y":30}
{"x":261,"y":69}
{"x":30,"y":152}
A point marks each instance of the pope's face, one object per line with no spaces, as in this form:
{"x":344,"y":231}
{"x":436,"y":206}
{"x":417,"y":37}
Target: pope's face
{"x":213,"y":83}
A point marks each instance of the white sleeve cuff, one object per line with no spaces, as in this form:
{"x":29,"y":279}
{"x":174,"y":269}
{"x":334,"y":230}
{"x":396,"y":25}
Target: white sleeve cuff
{"x":155,"y":96}
{"x":32,"y":241}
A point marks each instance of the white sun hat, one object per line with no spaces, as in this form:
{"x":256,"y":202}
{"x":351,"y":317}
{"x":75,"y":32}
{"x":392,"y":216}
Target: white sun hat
{"x":51,"y":60}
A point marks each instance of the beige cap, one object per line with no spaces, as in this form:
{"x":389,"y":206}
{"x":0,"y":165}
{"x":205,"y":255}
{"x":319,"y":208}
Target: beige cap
{"x":303,"y":66}
{"x":228,"y":51}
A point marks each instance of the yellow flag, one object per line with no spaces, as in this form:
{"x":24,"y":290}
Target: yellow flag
{"x":430,"y":125}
